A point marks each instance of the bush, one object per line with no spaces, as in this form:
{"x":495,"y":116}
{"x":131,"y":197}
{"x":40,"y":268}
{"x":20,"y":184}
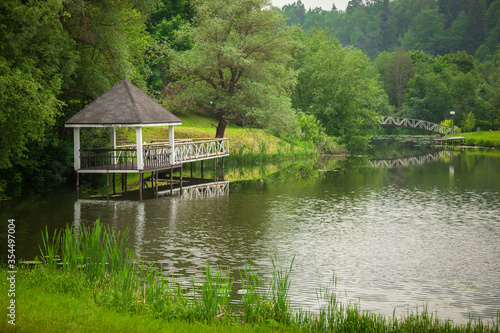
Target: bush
{"x":469,"y":123}
{"x":447,"y":122}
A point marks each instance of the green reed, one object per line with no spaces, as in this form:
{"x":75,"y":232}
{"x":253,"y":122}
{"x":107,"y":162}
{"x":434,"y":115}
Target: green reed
{"x":98,"y":253}
{"x":255,"y":306}
{"x":280,"y":285}
{"x":211,"y":295}
{"x":50,"y":251}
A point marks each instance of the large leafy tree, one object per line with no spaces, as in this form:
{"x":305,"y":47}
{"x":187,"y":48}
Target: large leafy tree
{"x":239,"y":63}
{"x":396,"y":70}
{"x":36,"y":54}
{"x":446,"y":83}
{"x":110,"y":37}
{"x":56,"y":56}
{"x":335,"y":88}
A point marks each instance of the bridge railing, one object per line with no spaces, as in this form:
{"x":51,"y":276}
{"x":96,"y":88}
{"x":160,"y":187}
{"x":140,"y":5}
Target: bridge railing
{"x":197,"y":150}
{"x":415,"y":123}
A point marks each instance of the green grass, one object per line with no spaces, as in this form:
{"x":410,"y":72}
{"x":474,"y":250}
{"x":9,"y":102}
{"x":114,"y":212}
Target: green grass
{"x":90,"y":282}
{"x":246,"y":144}
{"x":482,"y":139}
{"x":43,"y":304}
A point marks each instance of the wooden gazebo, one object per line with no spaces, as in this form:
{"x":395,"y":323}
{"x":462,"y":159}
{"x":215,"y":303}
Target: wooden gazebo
{"x":125,"y":105}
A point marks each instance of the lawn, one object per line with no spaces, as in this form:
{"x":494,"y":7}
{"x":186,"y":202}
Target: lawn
{"x":483,"y":139}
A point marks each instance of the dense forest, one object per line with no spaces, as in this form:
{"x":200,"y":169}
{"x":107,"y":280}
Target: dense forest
{"x":311,"y":75}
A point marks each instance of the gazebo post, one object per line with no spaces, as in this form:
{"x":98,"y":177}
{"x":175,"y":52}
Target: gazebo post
{"x":171,"y":143}
{"x":76,"y":143}
{"x":113,"y":145}
{"x":140,"y":157}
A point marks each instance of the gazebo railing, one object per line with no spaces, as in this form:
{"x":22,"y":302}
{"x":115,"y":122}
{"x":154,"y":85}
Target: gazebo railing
{"x":108,"y":159}
{"x":200,"y":150}
{"x":156,"y":156}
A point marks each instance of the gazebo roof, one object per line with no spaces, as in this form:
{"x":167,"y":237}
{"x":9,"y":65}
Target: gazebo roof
{"x":123,"y":105}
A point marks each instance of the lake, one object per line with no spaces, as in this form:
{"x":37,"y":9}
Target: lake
{"x":396,"y":233}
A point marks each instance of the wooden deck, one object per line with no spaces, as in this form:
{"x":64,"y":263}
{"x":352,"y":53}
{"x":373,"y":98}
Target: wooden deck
{"x":451,"y":138}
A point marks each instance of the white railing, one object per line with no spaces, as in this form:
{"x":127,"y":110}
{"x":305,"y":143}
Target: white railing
{"x":215,"y":188}
{"x":197,"y":150}
{"x":415,"y":123}
{"x":207,"y":189}
{"x":156,"y":154}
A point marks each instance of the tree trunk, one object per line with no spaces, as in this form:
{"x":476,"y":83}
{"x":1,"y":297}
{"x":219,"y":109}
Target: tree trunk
{"x":221,"y":128}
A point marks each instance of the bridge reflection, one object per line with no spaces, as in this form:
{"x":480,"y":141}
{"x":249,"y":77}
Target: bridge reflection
{"x":410,"y":160}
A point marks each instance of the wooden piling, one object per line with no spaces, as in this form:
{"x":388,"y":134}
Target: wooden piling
{"x":171,"y":182}
{"x":215,"y":169}
{"x":223,"y":168}
{"x":141,"y":177}
{"x":181,"y":179}
{"x":77,"y":186}
{"x":157,"y":172}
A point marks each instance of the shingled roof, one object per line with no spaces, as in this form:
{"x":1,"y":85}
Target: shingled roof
{"x":123,"y":105}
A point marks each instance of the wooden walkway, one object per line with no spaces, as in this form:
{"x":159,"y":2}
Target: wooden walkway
{"x":451,"y":138}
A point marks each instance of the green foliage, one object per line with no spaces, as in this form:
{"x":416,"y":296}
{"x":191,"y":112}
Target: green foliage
{"x":162,"y":26}
{"x":35,"y":55}
{"x":55,"y":57}
{"x":311,"y":128}
{"x":449,"y":123}
{"x":239,"y":62}
{"x":334,"y":87}
{"x":426,"y":32}
{"x":469,"y":124}
{"x":110,"y":43}
{"x":437,"y":27}
{"x":396,"y":70}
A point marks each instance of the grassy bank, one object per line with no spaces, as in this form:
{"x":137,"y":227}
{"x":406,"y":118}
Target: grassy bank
{"x":482,"y":139}
{"x":91,"y":281}
{"x":246,"y":144}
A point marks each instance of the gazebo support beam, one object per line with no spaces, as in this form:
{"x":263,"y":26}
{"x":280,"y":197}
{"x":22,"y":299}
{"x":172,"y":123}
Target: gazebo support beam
{"x":140,"y":157}
{"x":76,"y":143}
{"x":171,"y":143}
{"x":113,"y":143}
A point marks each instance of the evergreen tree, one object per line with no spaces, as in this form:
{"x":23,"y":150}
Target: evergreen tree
{"x":300,"y":11}
{"x":474,"y":28}
{"x":353,"y":4}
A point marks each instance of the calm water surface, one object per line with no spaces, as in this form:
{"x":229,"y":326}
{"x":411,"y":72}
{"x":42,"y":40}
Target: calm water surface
{"x":395,"y":238}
